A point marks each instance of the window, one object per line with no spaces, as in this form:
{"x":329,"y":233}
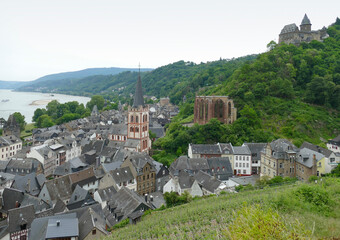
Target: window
{"x":247,"y":165}
{"x":236,"y":157}
{"x":319,"y":164}
{"x":244,"y":172}
{"x":244,"y":165}
{"x":131,"y":119}
{"x":137,"y":119}
{"x":239,"y":171}
{"x":94,"y":232}
{"x":236,"y":164}
{"x":332,"y":160}
{"x":281,"y":165}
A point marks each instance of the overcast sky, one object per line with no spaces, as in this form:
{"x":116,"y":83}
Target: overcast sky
{"x":40,"y":37}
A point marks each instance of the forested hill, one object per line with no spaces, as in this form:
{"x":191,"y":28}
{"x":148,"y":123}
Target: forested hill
{"x":289,"y":91}
{"x":48,"y":83}
{"x":174,"y":80}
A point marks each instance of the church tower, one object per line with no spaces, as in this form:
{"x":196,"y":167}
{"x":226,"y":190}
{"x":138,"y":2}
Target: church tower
{"x":306,"y":25}
{"x":138,"y":119}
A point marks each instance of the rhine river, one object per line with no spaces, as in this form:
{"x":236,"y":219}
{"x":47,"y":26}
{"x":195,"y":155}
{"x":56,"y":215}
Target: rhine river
{"x":27,"y":102}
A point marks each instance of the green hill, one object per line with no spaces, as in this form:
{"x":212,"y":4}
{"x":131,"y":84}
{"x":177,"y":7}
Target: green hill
{"x":290,"y":92}
{"x":287,"y":212}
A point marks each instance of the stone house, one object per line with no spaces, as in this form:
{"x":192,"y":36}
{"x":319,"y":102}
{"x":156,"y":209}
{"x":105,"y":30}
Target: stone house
{"x":306,"y":164}
{"x":278,"y":159}
{"x":118,"y":178}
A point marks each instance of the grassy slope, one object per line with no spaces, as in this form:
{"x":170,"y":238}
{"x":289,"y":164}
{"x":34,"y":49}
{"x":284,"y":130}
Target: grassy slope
{"x":215,"y":217}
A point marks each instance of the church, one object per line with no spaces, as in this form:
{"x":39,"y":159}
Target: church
{"x":135,"y":133}
{"x":292,"y":34}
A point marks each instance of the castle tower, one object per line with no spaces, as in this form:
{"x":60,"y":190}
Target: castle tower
{"x":11,"y":127}
{"x":138,"y":119}
{"x":306,"y":25}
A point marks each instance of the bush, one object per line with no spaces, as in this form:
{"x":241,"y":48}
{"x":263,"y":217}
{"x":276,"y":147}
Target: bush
{"x":313,"y":194}
{"x":254,"y":222}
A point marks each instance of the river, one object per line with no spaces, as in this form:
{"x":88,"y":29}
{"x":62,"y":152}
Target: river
{"x":11,"y":102}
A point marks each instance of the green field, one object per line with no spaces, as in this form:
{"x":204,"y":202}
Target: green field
{"x":299,"y":211}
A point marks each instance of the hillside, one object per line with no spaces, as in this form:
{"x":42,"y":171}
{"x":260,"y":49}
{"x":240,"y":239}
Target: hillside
{"x":290,"y":92}
{"x":286,"y":212}
{"x":11,"y":84}
{"x":49,"y":82}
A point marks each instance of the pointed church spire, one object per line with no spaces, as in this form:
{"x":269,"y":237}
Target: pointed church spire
{"x":305,"y":20}
{"x":138,"y":100}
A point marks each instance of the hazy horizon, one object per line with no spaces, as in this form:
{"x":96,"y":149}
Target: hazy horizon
{"x":46,"y":37}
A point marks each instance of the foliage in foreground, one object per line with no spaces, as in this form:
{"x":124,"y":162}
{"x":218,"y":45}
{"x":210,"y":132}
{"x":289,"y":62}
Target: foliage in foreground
{"x":213,"y":218}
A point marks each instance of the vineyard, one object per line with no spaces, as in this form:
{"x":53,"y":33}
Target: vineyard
{"x":298,"y":211}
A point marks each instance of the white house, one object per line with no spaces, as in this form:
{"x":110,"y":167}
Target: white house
{"x":9,"y":146}
{"x":183,"y":182}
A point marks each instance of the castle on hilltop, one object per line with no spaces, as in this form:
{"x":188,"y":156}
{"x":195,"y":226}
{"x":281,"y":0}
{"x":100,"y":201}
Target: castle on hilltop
{"x":292,"y":34}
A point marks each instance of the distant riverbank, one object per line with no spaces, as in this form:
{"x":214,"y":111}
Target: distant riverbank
{"x":27,"y":102}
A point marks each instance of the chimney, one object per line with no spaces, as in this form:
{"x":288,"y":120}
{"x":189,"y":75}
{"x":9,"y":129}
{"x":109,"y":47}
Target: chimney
{"x":314,"y":165}
{"x":58,"y":223}
{"x":151,"y":198}
{"x":146,"y":197}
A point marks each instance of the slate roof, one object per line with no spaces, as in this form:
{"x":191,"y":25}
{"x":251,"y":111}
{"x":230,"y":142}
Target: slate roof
{"x":132,"y":143}
{"x":5,"y":177}
{"x":207,"y":181}
{"x":281,"y":148}
{"x":3,"y":165}
{"x":241,"y":150}
{"x":70,"y":167}
{"x":107,"y":167}
{"x":256,"y":149}
{"x":335,"y":140}
{"x":226,"y":148}
{"x":185,"y":179}
{"x":20,"y":216}
{"x":305,"y":20}
{"x":316,"y":148}
{"x":192,"y":164}
{"x":127,"y":201}
{"x":289,"y":28}
{"x":138,"y":99}
{"x":107,"y":194}
{"x":306,"y":157}
{"x":62,"y":228}
{"x":59,"y":188}
{"x":159,"y":131}
{"x":89,"y":220}
{"x":122,"y":175}
{"x":39,"y":226}
{"x":245,"y":180}
{"x":222,"y":167}
{"x":27,"y":183}
{"x":205,"y":149}
{"x":139,"y":160}
{"x":119,"y":129}
{"x":59,"y":206}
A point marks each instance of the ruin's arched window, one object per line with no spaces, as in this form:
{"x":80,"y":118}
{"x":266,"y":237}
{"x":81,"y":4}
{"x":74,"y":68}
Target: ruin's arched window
{"x":137,"y":119}
{"x":131,"y":120}
{"x":229,"y":109}
{"x":201,"y":109}
{"x":206,"y":110}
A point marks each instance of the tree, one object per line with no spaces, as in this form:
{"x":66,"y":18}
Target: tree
{"x":96,"y":100}
{"x":20,"y":120}
{"x":37,"y":113}
{"x":44,"y":121}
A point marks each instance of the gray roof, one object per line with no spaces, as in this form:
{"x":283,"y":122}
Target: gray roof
{"x":131,"y":143}
{"x":222,"y":167}
{"x":226,"y":148}
{"x":127,"y":202}
{"x":62,"y":228}
{"x":192,"y":164}
{"x":289,"y":28}
{"x":118,"y":129}
{"x":4,"y":177}
{"x":27,"y":183}
{"x":306,"y":157}
{"x":159,"y":131}
{"x":205,"y":149}
{"x":242,"y":150}
{"x":245,"y":180}
{"x":336,"y":140}
{"x":316,"y":148}
{"x":59,"y":188}
{"x":107,"y":194}
{"x":89,"y":220}
{"x":281,"y":148}
{"x":20,"y":216}
{"x":122,"y":175}
{"x":138,"y":99}
{"x":79,"y":194}
{"x":140,"y":159}
{"x":107,"y":167}
{"x":256,"y":149}
{"x":39,"y":226}
{"x":207,"y":181}
{"x":3,"y":165}
{"x":185,"y":180}
{"x":305,"y":20}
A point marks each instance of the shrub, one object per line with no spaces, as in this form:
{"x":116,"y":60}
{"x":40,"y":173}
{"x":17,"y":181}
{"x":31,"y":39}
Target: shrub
{"x":313,"y":194}
{"x":253,"y":222}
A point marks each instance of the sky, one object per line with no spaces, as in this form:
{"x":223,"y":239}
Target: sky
{"x":40,"y":37}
